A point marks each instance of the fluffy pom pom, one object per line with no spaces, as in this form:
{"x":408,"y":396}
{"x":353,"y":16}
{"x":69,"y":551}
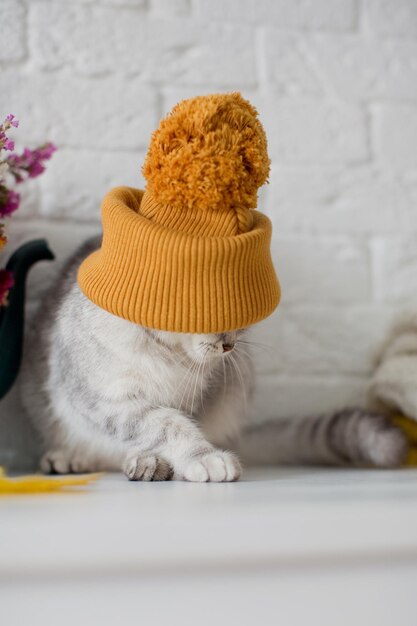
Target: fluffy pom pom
{"x":210,"y":152}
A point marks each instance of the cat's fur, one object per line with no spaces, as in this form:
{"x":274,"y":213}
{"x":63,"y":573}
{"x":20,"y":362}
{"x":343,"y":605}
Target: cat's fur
{"x":105,"y":393}
{"x":393,"y":383}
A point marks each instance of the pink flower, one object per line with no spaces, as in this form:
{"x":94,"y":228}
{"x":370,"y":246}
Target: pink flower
{"x":9,"y":202}
{"x":5,"y":143}
{"x":35,"y":169}
{"x":11,"y":118}
{"x":45,"y":152}
{"x":6,"y":283}
{"x":30,"y":161}
{"x":8,"y":144}
{"x":28,"y":164}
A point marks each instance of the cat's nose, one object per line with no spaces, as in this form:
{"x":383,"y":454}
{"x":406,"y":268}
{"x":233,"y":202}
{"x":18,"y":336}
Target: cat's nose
{"x":227,"y":347}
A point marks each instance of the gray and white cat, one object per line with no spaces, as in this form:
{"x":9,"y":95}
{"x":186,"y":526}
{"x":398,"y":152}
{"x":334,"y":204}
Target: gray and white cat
{"x":105,"y":393}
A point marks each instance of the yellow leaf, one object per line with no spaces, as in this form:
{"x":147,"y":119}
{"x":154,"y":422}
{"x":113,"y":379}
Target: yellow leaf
{"x":37,"y":483}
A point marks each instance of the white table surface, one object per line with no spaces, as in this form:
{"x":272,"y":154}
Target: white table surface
{"x":309,"y":545}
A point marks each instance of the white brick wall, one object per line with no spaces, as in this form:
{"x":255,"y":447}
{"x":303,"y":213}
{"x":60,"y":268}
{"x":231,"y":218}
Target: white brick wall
{"x":335,"y":82}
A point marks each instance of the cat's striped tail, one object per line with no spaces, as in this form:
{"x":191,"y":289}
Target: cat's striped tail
{"x":348,"y":437}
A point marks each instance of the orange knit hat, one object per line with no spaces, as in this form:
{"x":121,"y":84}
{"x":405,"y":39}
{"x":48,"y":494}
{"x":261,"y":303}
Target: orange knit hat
{"x":189,"y":254}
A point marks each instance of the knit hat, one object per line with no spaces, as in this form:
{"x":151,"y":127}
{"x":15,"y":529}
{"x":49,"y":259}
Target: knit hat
{"x":189,"y":254}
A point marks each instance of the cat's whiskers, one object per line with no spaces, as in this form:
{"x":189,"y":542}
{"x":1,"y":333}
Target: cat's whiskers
{"x":186,"y":357}
{"x":186,"y":380}
{"x":201,"y":382}
{"x":242,"y":384}
{"x":197,"y":377}
{"x":224,"y":380}
{"x":256,"y":344}
{"x":191,"y":388}
{"x":193,"y":371}
{"x":244,"y":349}
{"x":241,"y":356}
{"x":267,"y":349}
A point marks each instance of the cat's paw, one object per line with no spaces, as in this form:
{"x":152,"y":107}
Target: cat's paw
{"x":214,"y":467}
{"x":150,"y":467}
{"x":384,"y":444}
{"x":64,"y":462}
{"x":55,"y":462}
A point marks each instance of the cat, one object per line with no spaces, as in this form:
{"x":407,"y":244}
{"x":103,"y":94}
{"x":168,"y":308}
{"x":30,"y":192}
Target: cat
{"x":106,"y":394}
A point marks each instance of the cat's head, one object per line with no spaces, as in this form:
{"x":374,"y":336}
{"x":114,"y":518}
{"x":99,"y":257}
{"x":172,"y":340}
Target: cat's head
{"x":200,"y":346}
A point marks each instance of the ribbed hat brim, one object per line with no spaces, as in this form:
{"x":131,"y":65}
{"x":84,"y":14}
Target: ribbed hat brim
{"x":168,"y":280}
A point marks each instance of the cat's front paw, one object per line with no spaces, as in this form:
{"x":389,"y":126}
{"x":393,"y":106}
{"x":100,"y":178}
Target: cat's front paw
{"x":214,"y":467}
{"x":65,"y":462}
{"x":150,"y":467}
{"x":56,"y":462}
